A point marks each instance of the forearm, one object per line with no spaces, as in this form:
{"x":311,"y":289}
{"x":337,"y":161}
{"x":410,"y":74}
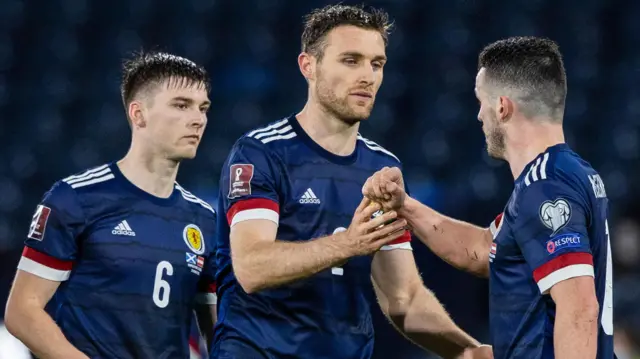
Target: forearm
{"x":426,"y":323}
{"x":270,"y":264}
{"x":463,"y":245}
{"x":42,"y":336}
{"x":575,"y":333}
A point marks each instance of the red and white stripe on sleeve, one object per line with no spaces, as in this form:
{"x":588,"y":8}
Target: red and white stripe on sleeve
{"x":44,"y":265}
{"x":255,"y":208}
{"x":496,"y":225}
{"x":207,"y":294}
{"x":563,"y":267}
{"x":402,"y":242}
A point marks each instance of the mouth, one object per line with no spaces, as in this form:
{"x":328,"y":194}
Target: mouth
{"x":362,"y":94}
{"x":193,"y":138}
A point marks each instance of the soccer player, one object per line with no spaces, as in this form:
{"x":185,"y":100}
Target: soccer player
{"x":548,"y":255}
{"x":298,"y":249}
{"x":116,"y":255}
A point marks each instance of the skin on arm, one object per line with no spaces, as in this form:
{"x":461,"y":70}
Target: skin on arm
{"x":576,"y":325}
{"x":413,"y":309}
{"x":26,"y":319}
{"x":461,"y":244}
{"x":261,"y":261}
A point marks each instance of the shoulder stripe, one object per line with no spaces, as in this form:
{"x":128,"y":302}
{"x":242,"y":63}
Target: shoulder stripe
{"x":538,"y":168}
{"x":277,"y":131}
{"x":543,"y":167}
{"x":86,"y":173}
{"x":376,"y":147}
{"x":279,"y":137}
{"x":270,"y":127}
{"x":191,"y":198}
{"x":89,"y":176}
{"x":91,"y":181}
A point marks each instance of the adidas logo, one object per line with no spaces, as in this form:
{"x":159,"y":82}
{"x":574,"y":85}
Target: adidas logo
{"x":123,"y":229}
{"x":309,"y":197}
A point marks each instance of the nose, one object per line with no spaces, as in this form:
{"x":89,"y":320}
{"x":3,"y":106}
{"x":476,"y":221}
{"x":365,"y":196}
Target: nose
{"x":199,"y":120}
{"x":367,"y":75}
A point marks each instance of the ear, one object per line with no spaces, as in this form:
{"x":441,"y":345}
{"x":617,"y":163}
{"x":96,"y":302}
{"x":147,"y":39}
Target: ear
{"x":504,"y":109}
{"x":136,"y":114}
{"x":307,"y":65}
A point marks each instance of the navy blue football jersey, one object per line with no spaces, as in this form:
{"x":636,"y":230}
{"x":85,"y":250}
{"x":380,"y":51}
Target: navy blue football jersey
{"x":131,"y":265}
{"x":553,"y":228}
{"x":279,"y":173}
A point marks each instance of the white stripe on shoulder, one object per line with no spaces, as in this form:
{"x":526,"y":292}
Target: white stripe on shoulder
{"x":376,"y":147}
{"x":89,"y":177}
{"x":269,"y":128}
{"x":191,"y":198}
{"x":537,"y":171}
{"x":86,"y":173}
{"x":277,"y":131}
{"x":543,"y":167}
{"x":287,"y":136}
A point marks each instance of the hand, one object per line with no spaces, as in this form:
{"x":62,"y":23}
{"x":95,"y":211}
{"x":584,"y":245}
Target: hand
{"x":481,"y":352}
{"x":365,"y":234}
{"x":387,"y":188}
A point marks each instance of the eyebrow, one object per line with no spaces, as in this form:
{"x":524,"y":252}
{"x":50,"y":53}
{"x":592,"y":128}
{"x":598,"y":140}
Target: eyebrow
{"x":190,"y":101}
{"x":359,"y":55}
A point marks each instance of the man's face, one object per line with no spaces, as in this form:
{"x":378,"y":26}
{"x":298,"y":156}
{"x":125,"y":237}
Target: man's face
{"x":176,"y":118}
{"x":350,"y":72}
{"x":494,"y":133}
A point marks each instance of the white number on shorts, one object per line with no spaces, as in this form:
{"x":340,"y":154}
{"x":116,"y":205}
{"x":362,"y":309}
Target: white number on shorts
{"x":161,"y":288}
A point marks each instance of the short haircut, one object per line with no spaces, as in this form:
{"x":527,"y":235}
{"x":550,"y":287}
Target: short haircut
{"x":146,"y":69}
{"x":531,"y":70}
{"x":320,"y":22}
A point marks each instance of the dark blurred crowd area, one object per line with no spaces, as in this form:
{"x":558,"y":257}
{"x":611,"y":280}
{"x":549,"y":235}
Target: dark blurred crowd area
{"x":60,"y":110}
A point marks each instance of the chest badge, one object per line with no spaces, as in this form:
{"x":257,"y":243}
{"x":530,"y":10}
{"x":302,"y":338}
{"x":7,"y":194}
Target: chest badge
{"x":193,"y":238}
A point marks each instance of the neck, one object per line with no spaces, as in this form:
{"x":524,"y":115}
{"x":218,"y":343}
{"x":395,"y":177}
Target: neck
{"x":149,"y":172}
{"x":327,"y":130}
{"x":532,"y":139}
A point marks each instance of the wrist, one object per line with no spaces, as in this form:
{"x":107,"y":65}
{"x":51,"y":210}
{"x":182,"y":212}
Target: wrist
{"x":340,"y":242}
{"x":407,"y":208}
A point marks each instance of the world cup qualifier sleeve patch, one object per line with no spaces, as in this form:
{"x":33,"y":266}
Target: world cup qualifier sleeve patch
{"x":240,"y":176}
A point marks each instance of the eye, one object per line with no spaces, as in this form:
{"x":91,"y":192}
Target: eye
{"x":350,"y":61}
{"x":181,"y":106}
{"x":377,"y":65}
{"x":204,"y":109}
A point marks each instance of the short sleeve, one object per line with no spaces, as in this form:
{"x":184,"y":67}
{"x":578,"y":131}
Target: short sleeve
{"x":249,"y":178}
{"x":551,"y":230}
{"x":51,"y":245}
{"x":207,"y":283}
{"x":403,"y":242}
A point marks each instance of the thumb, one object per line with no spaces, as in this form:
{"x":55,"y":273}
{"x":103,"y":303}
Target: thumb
{"x":393,"y":188}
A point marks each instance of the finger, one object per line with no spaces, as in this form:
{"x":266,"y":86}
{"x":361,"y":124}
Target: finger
{"x":392,"y":188}
{"x":368,"y":211}
{"x":395,"y":174}
{"x":397,"y":226}
{"x":380,"y":220}
{"x":363,"y":204}
{"x":366,"y":189}
{"x":377,"y":184}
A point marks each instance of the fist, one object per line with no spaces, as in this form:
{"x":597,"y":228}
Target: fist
{"x":386,"y":187}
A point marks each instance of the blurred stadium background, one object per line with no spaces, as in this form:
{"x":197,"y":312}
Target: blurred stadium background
{"x":60,"y":110}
